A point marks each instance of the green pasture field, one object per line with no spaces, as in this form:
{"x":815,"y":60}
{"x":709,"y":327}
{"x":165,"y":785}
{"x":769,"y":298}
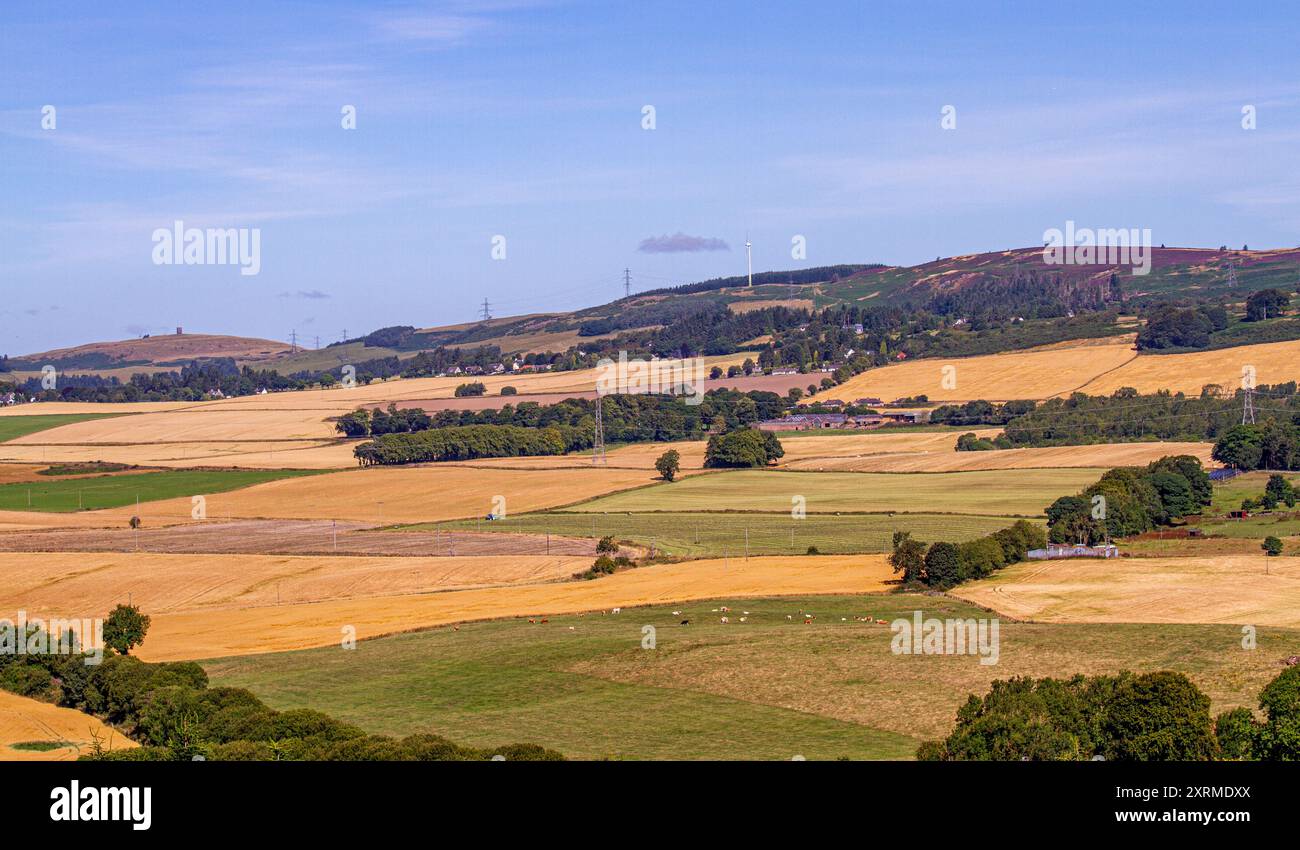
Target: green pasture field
{"x":772,"y":687}
{"x":114,"y":491}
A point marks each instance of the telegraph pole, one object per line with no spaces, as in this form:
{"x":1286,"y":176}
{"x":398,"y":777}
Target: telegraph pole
{"x":598,"y":444}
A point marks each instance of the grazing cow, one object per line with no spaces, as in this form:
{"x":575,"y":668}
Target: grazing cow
{"x":724,"y":619}
{"x":617,"y":611}
{"x":686,"y":622}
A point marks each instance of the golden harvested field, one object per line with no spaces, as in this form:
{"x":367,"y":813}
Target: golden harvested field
{"x":879,"y":443}
{"x":24,"y":720}
{"x":1032,"y":374}
{"x":1056,"y":457}
{"x":1221,"y":589}
{"x":208,"y":634}
{"x":636,"y":456}
{"x":248,"y":431}
{"x":382,"y":495}
{"x":46,"y":408}
{"x":280,"y":454}
{"x":56,"y":584}
{"x":12,"y":473}
{"x":1274,"y":363}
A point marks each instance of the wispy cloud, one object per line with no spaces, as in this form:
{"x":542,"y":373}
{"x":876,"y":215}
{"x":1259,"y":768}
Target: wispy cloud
{"x":681,"y":243}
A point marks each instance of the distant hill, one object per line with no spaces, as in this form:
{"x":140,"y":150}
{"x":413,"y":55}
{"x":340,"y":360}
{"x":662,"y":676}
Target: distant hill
{"x":153,"y":353}
{"x":1176,"y":273}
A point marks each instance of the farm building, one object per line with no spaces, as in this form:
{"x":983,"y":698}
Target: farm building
{"x":816,"y":421}
{"x":908,"y":416}
{"x":1076,"y":550}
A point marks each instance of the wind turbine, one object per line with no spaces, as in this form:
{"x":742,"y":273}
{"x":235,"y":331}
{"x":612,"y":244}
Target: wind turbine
{"x":749,"y":261}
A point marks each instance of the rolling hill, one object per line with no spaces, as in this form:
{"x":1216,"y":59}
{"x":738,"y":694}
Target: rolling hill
{"x":945,"y":285}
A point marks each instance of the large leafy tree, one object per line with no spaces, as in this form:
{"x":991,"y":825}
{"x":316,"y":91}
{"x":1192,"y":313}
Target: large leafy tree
{"x":1239,"y":447}
{"x":908,"y":557}
{"x":125,"y":628}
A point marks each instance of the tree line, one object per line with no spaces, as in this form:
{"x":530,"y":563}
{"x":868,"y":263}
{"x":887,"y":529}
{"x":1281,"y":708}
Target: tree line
{"x":626,"y":418}
{"x":1160,"y":716}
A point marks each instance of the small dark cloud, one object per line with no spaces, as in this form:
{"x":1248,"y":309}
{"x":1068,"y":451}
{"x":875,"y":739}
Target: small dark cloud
{"x":681,"y":243}
{"x":313,"y":294}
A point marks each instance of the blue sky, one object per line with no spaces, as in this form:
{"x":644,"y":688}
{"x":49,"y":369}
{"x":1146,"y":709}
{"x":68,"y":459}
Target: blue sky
{"x":524,"y":119}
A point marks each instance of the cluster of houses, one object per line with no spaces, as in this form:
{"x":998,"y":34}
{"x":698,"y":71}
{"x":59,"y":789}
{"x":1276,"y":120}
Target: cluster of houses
{"x":818,"y":421}
{"x":497,"y":369}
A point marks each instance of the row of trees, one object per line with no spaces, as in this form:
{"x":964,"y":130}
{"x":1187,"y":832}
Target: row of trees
{"x":980,"y":412}
{"x":1126,"y":416}
{"x":465,"y":443}
{"x":626,"y":418}
{"x":1159,"y":716}
{"x":943,"y":565}
{"x":1131,"y":500}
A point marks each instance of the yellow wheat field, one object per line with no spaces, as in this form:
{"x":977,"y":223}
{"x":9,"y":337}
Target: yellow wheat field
{"x":89,"y":584}
{"x":1056,"y":457}
{"x":24,"y":720}
{"x":46,"y":408}
{"x":1272,"y":363}
{"x":383,"y":495}
{"x":637,"y":456}
{"x":206,"y":634}
{"x":1097,"y":367}
{"x":1247,"y":589}
{"x":1032,"y":374}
